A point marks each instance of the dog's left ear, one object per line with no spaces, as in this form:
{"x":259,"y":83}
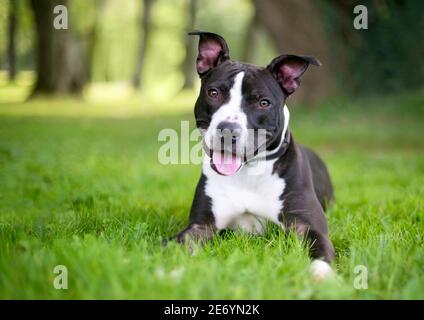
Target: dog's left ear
{"x":212,"y":51}
{"x":287,"y":70}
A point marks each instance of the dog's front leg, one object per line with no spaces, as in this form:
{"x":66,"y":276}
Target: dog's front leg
{"x":310,"y":224}
{"x":195,"y":232}
{"x":321,"y":249}
{"x":201,"y":227}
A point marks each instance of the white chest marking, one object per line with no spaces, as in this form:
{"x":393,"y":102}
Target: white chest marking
{"x":244,"y":200}
{"x":230,"y":111}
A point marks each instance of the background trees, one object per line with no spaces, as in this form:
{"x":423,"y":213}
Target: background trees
{"x":145,"y":30}
{"x":11,"y":45}
{"x":296,"y":26}
{"x":188,"y":67}
{"x":144,"y":42}
{"x":60,"y":63}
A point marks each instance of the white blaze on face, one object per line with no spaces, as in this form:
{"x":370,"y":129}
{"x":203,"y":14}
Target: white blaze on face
{"x":228,"y":163}
{"x":230,"y":111}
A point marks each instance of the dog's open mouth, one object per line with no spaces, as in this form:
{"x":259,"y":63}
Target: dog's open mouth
{"x":225,"y":163}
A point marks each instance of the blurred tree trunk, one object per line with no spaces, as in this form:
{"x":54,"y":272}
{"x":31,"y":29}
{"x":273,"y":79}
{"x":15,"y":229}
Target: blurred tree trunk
{"x":146,"y":24}
{"x":92,"y":38}
{"x":251,"y":39}
{"x":60,"y":63}
{"x":296,"y":26}
{"x":189,"y":63}
{"x":11,"y":46}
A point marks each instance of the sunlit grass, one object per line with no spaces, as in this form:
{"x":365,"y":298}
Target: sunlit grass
{"x":80,"y":186}
{"x":117,"y":100}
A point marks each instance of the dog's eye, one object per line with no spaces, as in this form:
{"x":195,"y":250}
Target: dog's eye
{"x":264,"y":103}
{"x":213,"y":93}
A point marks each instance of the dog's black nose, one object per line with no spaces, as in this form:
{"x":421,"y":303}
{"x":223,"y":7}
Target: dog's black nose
{"x":227,"y":130}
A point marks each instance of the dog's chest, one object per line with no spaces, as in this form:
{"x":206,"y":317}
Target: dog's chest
{"x":245,"y":200}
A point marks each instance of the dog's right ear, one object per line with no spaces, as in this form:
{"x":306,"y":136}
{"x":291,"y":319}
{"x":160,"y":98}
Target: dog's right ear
{"x":288,"y":68}
{"x":213,"y":50}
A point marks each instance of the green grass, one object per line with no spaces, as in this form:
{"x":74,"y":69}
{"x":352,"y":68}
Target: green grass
{"x":85,"y":190}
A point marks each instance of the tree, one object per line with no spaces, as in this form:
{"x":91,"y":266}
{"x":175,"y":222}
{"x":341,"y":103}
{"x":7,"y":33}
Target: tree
{"x":93,"y":37}
{"x":146,"y":24}
{"x":295,"y":26}
{"x":251,"y":39}
{"x":386,"y":53}
{"x":60,"y":62}
{"x":188,"y":66}
{"x":11,"y":46}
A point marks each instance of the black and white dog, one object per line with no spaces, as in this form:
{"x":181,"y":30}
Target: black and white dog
{"x":292,"y":189}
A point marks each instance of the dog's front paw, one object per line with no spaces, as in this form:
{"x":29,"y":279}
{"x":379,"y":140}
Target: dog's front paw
{"x":195,"y":235}
{"x":321,"y":270}
{"x":198,"y":233}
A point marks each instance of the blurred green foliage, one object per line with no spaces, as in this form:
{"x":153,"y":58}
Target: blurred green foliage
{"x":117,"y":28}
{"x":390,"y":56}
{"x":25,"y":37}
{"x":386,"y":57}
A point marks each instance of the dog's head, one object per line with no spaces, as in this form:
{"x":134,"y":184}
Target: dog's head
{"x":241,"y":107}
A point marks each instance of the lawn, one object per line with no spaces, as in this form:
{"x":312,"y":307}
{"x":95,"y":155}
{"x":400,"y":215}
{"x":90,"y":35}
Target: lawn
{"x":83,"y":188}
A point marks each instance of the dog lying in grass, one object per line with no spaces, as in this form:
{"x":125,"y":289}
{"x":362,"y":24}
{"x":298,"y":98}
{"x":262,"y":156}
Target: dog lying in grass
{"x":254,"y":171}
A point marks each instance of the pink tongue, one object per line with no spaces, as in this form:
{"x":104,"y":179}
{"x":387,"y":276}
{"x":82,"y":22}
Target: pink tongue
{"x":226,"y":164}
